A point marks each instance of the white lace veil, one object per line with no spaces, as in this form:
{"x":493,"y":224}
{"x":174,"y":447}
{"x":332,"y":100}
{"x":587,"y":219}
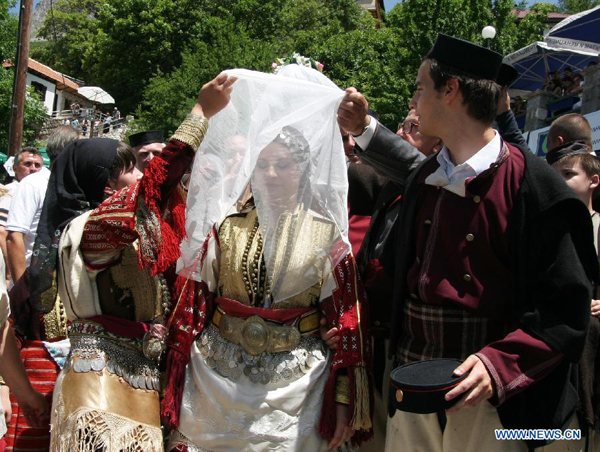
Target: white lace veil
{"x":299,"y":182}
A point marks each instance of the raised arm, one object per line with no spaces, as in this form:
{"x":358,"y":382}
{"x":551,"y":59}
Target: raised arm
{"x":115,"y":224}
{"x":378,"y":146}
{"x":507,"y":124}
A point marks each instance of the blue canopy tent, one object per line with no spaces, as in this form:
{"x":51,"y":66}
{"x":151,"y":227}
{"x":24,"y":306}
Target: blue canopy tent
{"x":577,"y":32}
{"x":534,"y":61}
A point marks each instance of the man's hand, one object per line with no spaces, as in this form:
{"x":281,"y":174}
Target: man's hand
{"x":330,"y":337}
{"x":343,"y":432}
{"x":35,"y":408}
{"x":214,"y":96}
{"x":353,"y":114}
{"x":477,"y":387}
{"x":6,"y":405}
{"x":33,"y":404}
{"x":504,"y":101}
{"x":596,"y":308}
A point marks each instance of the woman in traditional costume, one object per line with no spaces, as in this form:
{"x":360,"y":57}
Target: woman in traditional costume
{"x":275,"y":261}
{"x":32,"y":404}
{"x":116,"y":280}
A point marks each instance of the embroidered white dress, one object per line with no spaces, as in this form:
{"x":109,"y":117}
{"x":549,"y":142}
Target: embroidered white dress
{"x":234,"y":401}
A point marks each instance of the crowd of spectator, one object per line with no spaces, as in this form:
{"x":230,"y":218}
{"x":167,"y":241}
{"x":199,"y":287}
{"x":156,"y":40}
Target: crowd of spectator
{"x":90,"y":123}
{"x":570,"y":83}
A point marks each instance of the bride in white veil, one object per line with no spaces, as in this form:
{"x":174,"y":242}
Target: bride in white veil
{"x":267,"y":240}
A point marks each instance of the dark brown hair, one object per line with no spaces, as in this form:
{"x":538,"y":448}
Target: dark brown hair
{"x":124,"y":161}
{"x":480,"y":96}
{"x":589,"y":163}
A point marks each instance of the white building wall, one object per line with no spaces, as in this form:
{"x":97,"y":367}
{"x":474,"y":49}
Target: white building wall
{"x":369,"y":5}
{"x":50,"y":90}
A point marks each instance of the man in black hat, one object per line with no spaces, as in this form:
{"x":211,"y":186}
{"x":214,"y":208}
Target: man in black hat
{"x":493,"y":261}
{"x":146,"y":145}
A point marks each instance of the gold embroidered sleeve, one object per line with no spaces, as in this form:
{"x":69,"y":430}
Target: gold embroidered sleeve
{"x":342,"y":389}
{"x":192,"y":131}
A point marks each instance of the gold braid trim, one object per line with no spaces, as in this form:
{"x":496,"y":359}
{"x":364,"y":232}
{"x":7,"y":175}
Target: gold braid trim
{"x":342,"y":389}
{"x":361,"y":418}
{"x":55,"y":321}
{"x":191,"y":131}
{"x":2,"y":382}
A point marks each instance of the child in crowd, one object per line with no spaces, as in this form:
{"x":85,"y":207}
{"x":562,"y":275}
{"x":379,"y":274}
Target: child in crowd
{"x":580,"y":169}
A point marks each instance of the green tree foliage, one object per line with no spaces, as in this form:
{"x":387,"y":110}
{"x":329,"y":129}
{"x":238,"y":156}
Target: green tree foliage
{"x":35,"y":112}
{"x":371,"y":60}
{"x":252,"y":34}
{"x":417,"y":23}
{"x":8,"y":30}
{"x":576,"y":6}
{"x":154,"y":55}
{"x":70,"y":32}
{"x":532,"y":26}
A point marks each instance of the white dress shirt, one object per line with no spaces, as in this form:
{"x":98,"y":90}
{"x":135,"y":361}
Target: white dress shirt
{"x":452,"y":177}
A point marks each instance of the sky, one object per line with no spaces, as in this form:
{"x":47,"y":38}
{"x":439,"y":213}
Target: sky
{"x":15,"y":9}
{"x":389,"y":4}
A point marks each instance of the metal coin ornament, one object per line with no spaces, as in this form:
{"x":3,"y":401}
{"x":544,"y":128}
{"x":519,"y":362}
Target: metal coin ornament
{"x":155,"y":342}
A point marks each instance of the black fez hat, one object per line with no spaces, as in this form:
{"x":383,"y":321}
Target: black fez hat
{"x":567,"y":150}
{"x":507,"y":75}
{"x":143,"y":138}
{"x":424,"y":384}
{"x":466,"y":57}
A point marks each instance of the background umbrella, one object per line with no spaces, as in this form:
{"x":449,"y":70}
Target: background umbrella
{"x":96,"y":94}
{"x":577,"y":32}
{"x":534,"y":61}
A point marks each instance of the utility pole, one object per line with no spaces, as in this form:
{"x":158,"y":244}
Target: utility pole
{"x":20,"y":83}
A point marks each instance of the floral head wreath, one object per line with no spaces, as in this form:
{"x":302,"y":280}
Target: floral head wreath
{"x":298,"y":59}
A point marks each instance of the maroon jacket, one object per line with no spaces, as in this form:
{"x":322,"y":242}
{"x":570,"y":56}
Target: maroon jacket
{"x":459,"y":283}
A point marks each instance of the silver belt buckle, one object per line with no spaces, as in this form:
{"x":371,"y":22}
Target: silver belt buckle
{"x":257,"y":336}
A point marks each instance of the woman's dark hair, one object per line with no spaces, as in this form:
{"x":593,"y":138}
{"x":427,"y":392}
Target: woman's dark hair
{"x":480,"y":96}
{"x":124,"y":161}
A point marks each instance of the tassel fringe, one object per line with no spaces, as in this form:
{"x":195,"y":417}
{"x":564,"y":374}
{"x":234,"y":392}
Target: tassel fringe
{"x":171,"y":403}
{"x":88,"y":430}
{"x":169,"y":237}
{"x":361,"y":418}
{"x":178,"y":214}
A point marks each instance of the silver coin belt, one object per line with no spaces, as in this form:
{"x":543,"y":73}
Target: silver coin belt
{"x":231,"y":360}
{"x":125,"y":359}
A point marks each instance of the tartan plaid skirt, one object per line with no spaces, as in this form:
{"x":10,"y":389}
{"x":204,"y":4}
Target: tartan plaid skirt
{"x":433,"y":331}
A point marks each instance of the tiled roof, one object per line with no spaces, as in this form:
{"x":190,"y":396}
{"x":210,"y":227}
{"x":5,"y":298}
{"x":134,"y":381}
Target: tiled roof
{"x":62,"y":82}
{"x":552,"y":17}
